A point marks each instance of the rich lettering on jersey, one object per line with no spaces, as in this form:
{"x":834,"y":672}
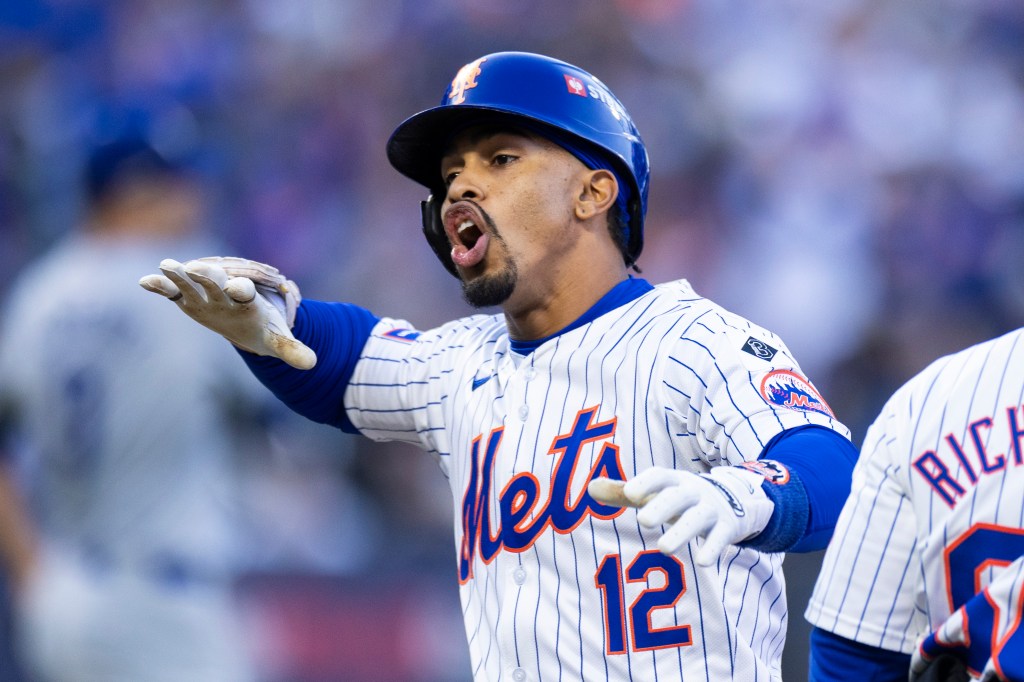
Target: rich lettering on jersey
{"x":971,"y":455}
{"x":523,"y":516}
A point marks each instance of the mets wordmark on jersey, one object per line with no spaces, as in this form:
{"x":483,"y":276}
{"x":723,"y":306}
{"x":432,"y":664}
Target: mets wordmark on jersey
{"x":553,"y":584}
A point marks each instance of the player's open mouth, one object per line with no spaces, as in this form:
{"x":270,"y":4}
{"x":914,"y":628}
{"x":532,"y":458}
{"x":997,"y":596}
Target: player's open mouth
{"x":462,"y":223}
{"x":468,"y":233}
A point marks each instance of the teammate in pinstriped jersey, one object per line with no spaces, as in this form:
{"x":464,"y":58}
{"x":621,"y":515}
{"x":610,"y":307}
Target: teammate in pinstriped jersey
{"x":931,"y":539}
{"x":589,"y":376}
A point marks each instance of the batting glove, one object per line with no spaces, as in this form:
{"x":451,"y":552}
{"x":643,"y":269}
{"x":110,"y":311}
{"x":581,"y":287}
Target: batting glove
{"x":724,"y":506}
{"x":941,"y":656}
{"x":944,"y":668}
{"x":250,"y":304}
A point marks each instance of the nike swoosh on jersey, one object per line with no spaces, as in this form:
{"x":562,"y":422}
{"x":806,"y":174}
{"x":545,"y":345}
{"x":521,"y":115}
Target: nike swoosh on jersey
{"x":477,"y":383}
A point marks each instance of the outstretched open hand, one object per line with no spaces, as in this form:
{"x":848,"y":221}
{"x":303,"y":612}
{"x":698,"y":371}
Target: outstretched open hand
{"x":249,"y":303}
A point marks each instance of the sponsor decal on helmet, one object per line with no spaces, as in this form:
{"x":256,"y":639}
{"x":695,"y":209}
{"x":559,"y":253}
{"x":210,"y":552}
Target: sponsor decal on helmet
{"x":575,"y":85}
{"x":606,"y":98}
{"x":464,"y":80}
{"x":788,"y":389}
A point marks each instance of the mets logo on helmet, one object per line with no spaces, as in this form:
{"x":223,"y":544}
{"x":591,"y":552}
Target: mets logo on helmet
{"x":464,"y":80}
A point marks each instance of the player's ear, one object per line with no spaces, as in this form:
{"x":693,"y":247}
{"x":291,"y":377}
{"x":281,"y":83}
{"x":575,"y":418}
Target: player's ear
{"x":597,"y":194}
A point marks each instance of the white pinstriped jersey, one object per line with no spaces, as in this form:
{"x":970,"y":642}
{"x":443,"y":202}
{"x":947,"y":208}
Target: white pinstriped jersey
{"x":937,"y":506}
{"x":553,"y":585}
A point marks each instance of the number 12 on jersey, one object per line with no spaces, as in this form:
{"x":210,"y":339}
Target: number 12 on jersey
{"x":643,"y":635}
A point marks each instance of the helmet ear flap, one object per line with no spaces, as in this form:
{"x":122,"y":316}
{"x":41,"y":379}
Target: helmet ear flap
{"x":433,"y":230}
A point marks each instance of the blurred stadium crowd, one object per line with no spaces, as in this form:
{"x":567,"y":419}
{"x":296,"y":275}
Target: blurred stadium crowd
{"x":849,"y":174}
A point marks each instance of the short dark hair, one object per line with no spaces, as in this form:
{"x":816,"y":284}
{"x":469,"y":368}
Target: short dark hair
{"x":617,"y":228}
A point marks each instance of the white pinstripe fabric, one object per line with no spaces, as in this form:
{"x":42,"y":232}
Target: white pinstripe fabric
{"x":667,"y":373}
{"x":884,"y":580}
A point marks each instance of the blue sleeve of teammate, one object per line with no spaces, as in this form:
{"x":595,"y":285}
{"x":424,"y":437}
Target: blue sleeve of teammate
{"x":337,"y":333}
{"x":837,"y":659}
{"x":820,"y":464}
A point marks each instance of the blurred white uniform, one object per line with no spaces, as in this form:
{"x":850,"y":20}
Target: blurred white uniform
{"x":123,"y":408}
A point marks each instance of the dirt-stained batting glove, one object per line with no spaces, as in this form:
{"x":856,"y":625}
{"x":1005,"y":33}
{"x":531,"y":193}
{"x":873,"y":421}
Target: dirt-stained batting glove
{"x":724,"y":506}
{"x":250,"y":304}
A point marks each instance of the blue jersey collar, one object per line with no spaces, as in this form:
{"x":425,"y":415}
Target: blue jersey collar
{"x":621,"y":294}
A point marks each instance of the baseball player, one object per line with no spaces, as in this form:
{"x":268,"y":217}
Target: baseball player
{"x":121,"y":420}
{"x":590,"y":377}
{"x":931,"y":538}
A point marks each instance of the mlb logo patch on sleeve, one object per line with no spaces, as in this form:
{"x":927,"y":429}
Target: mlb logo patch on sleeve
{"x":759,"y":349}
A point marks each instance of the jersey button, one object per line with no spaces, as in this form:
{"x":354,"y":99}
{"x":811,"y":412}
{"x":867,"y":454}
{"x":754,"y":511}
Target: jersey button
{"x":519,"y":575}
{"x":530,"y":373}
{"x":519,"y":675}
{"x":524,"y":412}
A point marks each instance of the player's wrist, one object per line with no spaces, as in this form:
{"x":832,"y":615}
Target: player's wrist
{"x":790,"y":512}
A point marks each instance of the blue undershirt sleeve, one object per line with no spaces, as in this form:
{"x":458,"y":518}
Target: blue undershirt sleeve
{"x":337,"y":333}
{"x":837,"y":659}
{"x":819,"y":462}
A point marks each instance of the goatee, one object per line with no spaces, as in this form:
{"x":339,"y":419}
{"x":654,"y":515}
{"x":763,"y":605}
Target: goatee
{"x":491,"y":290}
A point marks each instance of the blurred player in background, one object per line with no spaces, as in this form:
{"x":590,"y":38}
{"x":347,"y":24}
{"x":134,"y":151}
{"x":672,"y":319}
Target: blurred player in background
{"x":120,"y":422}
{"x":931,"y":539}
{"x":538,"y":182}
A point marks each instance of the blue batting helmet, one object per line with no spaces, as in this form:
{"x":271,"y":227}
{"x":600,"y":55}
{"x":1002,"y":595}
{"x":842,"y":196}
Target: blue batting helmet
{"x":554,"y":98}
